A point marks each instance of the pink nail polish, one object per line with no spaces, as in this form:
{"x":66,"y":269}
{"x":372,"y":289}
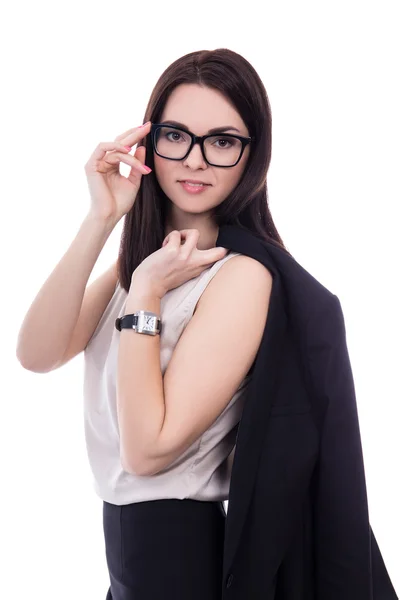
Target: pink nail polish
{"x":147,"y":168}
{"x":128,"y":147}
{"x":144,"y":124}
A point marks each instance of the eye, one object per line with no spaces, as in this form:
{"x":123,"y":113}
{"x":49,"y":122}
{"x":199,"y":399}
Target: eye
{"x":173,"y":136}
{"x":222,"y":143}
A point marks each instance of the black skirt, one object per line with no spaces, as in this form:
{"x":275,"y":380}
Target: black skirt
{"x":164,"y":549}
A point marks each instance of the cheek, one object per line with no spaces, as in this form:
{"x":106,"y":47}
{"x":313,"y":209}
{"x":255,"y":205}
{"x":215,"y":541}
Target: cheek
{"x":237,"y":171}
{"x":160,"y":168}
{"x":164,"y":173}
{"x":230,"y":177}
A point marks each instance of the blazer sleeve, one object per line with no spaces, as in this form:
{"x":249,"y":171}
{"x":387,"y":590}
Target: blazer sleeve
{"x":348,"y":563}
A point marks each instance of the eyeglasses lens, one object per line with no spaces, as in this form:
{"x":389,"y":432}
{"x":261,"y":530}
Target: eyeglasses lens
{"x":220,"y":150}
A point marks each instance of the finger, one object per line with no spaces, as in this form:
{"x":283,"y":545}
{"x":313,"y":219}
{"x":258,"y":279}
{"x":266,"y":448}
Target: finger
{"x":190,"y":238}
{"x":117,"y":157}
{"x":173,"y":239}
{"x":211,"y":255}
{"x":185,"y":233}
{"x":104,"y":147}
{"x":140,"y":155}
{"x":136,"y":135}
{"x":129,"y":132}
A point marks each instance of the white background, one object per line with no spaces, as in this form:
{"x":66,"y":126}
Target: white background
{"x":75,"y":74}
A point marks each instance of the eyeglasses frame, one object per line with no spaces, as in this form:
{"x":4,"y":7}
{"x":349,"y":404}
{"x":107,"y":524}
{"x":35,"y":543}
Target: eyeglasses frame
{"x":198,"y":139}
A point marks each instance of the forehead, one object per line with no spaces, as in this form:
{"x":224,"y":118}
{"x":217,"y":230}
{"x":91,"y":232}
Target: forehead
{"x":201,"y":108}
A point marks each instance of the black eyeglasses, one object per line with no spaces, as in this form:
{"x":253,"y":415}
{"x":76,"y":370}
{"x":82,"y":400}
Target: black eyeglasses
{"x":218,"y":149}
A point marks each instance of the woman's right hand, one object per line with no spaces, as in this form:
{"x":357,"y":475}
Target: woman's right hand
{"x":112,"y":194}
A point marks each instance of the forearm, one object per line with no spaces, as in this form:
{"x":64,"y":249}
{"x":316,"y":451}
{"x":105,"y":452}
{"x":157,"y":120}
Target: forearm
{"x":140,"y":389}
{"x":50,"y":321}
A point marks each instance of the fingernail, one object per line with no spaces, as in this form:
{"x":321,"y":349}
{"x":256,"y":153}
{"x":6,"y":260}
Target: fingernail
{"x":146,"y":168}
{"x":128,"y":147}
{"x":144,"y":124}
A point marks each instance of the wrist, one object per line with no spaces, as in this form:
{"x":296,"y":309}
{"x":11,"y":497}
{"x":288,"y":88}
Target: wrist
{"x":107,"y":223}
{"x":143,"y":288}
{"x":141,"y":301}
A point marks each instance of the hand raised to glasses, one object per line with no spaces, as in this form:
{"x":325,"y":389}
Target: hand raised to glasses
{"x":173,"y":264}
{"x":112,"y":194}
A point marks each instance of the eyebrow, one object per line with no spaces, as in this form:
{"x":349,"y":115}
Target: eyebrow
{"x":214,"y":130}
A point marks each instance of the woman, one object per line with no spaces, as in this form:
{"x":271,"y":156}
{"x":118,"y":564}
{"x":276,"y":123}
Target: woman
{"x":162,"y":410}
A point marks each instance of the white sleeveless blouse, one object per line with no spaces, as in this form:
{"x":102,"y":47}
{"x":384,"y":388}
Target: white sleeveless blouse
{"x":203,"y":471}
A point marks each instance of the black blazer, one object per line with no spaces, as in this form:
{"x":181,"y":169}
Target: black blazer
{"x":297,"y":526}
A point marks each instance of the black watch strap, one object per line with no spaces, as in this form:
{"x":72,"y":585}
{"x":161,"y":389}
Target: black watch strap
{"x":126,"y":322}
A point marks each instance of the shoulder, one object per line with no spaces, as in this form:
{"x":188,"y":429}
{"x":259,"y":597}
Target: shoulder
{"x":241,"y":264}
{"x":242,"y":269}
{"x":239,"y":279}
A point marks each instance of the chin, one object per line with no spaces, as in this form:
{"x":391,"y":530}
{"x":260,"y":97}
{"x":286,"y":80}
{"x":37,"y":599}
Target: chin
{"x":183,"y":200}
{"x":195,"y":205}
{"x":192,"y":210}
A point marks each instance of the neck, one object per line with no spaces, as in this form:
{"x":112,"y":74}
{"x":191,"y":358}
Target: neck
{"x":205,"y":225}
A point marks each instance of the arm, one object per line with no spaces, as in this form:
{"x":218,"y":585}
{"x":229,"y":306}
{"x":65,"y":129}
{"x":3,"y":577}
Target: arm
{"x":159,"y":419}
{"x":51,"y":319}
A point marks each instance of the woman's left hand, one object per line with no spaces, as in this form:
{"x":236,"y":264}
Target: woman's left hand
{"x":174,"y":263}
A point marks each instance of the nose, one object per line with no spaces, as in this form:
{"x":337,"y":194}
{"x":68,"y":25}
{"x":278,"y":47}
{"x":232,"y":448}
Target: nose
{"x":195,"y":159}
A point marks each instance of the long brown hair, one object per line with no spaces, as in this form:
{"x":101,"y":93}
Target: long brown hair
{"x":247,"y":205}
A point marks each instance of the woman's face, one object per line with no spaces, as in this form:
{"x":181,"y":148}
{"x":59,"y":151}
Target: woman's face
{"x":199,"y":109}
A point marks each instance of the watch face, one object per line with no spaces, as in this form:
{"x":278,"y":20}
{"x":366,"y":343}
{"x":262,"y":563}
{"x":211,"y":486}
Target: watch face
{"x":149,"y":323}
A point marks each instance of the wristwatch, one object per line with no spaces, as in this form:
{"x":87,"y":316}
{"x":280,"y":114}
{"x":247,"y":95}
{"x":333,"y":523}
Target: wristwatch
{"x":142,"y":321}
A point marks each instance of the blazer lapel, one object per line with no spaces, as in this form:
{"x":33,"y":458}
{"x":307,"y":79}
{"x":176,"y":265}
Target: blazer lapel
{"x":256,"y":411}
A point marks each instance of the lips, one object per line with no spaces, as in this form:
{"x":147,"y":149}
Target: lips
{"x":191,"y":187}
{"x":193,"y":182}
